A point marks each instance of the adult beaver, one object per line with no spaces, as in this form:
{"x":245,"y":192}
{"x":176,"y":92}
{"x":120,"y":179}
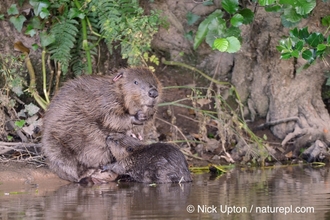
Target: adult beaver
{"x":86,"y":110}
{"x":154,"y":163}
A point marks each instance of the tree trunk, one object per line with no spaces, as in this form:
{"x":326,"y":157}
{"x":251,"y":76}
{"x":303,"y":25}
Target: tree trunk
{"x":270,"y":88}
{"x":273,"y":88}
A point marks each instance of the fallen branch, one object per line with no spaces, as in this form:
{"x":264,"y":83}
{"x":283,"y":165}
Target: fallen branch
{"x":9,"y":149}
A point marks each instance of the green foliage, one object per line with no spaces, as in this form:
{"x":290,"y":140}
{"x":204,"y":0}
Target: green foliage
{"x":203,"y":27}
{"x":208,"y":2}
{"x":65,"y":33}
{"x":230,"y":6}
{"x":18,"y":22}
{"x":221,"y":33}
{"x":78,"y":63}
{"x":12,"y":10}
{"x":292,"y":11}
{"x":62,"y":26}
{"x":31,"y":109}
{"x":12,"y":71}
{"x":123,"y":23}
{"x":221,"y":30}
{"x":309,"y":45}
{"x":20,"y":123}
{"x":192,"y":18}
{"x":229,"y":44}
{"x":40,"y":7}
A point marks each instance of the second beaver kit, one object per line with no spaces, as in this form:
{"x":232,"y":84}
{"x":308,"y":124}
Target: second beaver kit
{"x":154,"y":163}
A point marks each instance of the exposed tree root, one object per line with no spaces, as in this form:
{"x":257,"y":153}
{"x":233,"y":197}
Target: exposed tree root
{"x":311,"y":131}
{"x":276,"y":122}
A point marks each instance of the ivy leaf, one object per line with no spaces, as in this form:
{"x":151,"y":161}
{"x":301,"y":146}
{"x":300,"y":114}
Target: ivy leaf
{"x":35,"y":22}
{"x":280,"y":48}
{"x":321,"y":47}
{"x":192,"y":18}
{"x":35,"y":47}
{"x":18,"y":22}
{"x":221,"y":44}
{"x":294,"y":32}
{"x":46,"y":39}
{"x":189,"y":36}
{"x":303,"y":33}
{"x":38,"y":5}
{"x":326,"y":21}
{"x":287,"y":2}
{"x":266,"y":2}
{"x":12,"y":10}
{"x":286,"y":56}
{"x":286,"y":43}
{"x":2,"y":16}
{"x":217,"y":24}
{"x":229,"y":44}
{"x":291,"y":15}
{"x":314,"y":39}
{"x":295,"y":53}
{"x":44,"y":13}
{"x":30,"y":30}
{"x":203,"y":27}
{"x":232,"y":31}
{"x":307,"y":55}
{"x":231,"y":6}
{"x":237,"y":20}
{"x":287,"y":23}
{"x":273,"y":8}
{"x":299,"y":45}
{"x":304,"y":7}
{"x":234,"y":44}
{"x":20,"y":123}
{"x":217,"y":29}
{"x":248,"y":15}
{"x":31,"y":109}
{"x":76,"y":13}
{"x":16,"y":86}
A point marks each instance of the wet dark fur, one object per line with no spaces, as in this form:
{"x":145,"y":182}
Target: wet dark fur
{"x":154,"y":163}
{"x":85,"y":111}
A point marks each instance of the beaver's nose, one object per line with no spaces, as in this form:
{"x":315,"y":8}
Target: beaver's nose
{"x":153,"y":93}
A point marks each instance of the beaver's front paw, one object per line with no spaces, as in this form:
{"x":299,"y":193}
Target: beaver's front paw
{"x":141,"y":116}
{"x":135,"y":120}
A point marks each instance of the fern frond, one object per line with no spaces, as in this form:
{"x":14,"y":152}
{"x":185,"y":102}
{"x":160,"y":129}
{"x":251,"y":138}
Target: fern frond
{"x":123,"y":21}
{"x":78,"y":62}
{"x":65,"y":37}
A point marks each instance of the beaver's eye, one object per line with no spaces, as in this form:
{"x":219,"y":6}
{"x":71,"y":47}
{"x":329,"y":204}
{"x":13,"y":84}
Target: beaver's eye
{"x":136,"y":82}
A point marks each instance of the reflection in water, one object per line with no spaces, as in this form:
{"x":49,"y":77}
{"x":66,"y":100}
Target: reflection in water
{"x":240,"y":191}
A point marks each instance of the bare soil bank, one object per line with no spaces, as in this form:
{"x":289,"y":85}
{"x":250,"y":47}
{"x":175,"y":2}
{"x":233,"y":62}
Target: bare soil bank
{"x":18,"y":177}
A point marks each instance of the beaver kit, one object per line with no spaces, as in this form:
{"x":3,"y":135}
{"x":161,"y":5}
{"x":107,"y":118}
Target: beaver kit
{"x":86,"y":110}
{"x":154,"y":163}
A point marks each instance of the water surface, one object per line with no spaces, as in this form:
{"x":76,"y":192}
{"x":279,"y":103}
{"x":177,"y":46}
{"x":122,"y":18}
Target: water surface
{"x":276,"y":193}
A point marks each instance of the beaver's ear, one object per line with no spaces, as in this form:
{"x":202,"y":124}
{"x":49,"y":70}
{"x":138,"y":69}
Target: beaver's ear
{"x":118,"y":76}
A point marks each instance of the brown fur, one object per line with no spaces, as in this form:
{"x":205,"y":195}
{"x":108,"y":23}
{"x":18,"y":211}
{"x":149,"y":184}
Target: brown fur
{"x":86,"y":110}
{"x":154,"y":163}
